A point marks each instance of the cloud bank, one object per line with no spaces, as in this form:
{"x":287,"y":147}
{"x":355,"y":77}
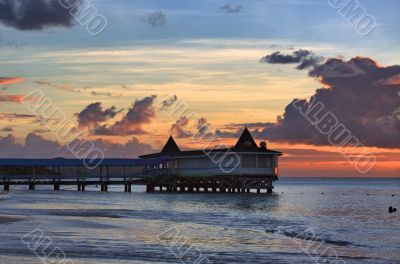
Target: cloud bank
{"x":36,"y":146}
{"x":364,"y":97}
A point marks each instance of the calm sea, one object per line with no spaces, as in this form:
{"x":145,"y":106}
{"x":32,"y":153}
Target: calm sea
{"x":304,"y":221}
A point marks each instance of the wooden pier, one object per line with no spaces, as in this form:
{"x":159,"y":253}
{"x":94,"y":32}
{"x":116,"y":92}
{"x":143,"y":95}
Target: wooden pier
{"x":244,"y":168}
{"x":171,"y":183}
{"x":222,"y":184}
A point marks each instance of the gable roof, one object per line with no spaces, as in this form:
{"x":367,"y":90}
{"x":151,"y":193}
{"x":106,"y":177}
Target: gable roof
{"x":170,"y":146}
{"x":246,"y":142}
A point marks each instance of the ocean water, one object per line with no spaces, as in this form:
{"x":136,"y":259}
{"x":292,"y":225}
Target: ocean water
{"x":304,"y":221}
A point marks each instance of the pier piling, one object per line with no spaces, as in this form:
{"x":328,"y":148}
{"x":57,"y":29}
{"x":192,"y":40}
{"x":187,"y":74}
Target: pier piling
{"x":31,"y":186}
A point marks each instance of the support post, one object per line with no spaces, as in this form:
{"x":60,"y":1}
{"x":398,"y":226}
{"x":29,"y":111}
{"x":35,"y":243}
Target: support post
{"x":149,"y":188}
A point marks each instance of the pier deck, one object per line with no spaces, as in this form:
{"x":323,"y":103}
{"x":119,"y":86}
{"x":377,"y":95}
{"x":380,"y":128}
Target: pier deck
{"x":152,"y":173}
{"x":167,"y":183}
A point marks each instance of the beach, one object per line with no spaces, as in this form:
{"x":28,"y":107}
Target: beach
{"x":303,"y":221}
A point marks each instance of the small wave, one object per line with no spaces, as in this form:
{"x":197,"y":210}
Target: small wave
{"x":312,"y":237}
{"x":308,"y":236}
{"x":5,"y":219}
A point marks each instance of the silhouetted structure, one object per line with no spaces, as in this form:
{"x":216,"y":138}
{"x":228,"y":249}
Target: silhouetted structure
{"x":241,"y":168}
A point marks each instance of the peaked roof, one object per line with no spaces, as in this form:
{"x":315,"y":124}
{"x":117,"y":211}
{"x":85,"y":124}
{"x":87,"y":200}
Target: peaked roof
{"x":170,"y":146}
{"x":246,"y":142}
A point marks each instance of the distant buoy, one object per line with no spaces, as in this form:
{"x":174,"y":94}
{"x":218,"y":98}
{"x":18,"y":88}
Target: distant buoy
{"x":322,"y":193}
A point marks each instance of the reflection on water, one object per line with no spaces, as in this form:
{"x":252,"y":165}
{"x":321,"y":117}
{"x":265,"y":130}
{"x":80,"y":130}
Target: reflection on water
{"x":348,"y":217}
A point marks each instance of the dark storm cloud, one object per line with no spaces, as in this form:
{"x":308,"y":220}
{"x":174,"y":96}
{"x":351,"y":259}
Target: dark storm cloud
{"x":156,"y":19}
{"x":34,"y":14}
{"x":141,"y":112}
{"x":303,"y":58}
{"x":94,"y":114}
{"x":361,"y":94}
{"x":228,"y":9}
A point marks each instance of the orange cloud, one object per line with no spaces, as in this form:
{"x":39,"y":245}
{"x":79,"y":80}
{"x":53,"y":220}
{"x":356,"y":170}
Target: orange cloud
{"x":65,"y":86}
{"x":11,"y":98}
{"x":10,"y":80}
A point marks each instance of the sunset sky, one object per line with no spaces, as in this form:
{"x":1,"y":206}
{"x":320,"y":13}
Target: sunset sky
{"x":232,"y":63}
